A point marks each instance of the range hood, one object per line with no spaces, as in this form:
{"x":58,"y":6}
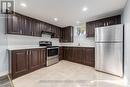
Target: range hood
{"x":47,"y":33}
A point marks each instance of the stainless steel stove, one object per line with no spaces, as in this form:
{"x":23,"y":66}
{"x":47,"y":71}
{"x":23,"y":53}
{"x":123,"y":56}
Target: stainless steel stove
{"x":52,"y":52}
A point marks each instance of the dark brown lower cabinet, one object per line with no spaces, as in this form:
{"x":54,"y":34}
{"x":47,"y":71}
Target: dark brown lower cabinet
{"x":19,"y":63}
{"x":34,"y":59}
{"x":25,"y":61}
{"x":61,"y":53}
{"x":82,"y":55}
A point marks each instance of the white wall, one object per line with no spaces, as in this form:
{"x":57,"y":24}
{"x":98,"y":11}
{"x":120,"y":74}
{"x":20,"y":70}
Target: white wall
{"x":21,"y":41}
{"x":126,"y":21}
{"x":3,"y":48}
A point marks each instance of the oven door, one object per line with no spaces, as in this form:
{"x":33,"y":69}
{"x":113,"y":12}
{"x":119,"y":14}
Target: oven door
{"x":52,"y":53}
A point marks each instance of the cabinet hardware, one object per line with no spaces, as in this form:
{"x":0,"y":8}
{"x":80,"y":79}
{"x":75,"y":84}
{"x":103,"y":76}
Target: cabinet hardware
{"x":32,"y":33}
{"x":21,"y":32}
{"x":107,"y":23}
{"x":27,"y":52}
{"x":30,"y":53}
{"x":104,"y":24}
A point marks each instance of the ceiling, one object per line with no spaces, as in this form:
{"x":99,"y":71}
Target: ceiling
{"x":69,"y":12}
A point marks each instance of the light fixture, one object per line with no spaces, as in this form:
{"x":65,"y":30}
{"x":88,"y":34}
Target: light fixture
{"x":23,"y":5}
{"x":55,"y":19}
{"x":77,"y":22}
{"x":84,"y":9}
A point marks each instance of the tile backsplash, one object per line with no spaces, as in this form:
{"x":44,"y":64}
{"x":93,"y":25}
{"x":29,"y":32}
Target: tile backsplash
{"x":18,"y":40}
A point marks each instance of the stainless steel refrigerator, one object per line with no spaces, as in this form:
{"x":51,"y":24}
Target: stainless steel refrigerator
{"x":109,"y":49}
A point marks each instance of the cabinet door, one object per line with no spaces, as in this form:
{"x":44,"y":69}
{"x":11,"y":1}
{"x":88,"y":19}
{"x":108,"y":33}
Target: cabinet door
{"x":61,"y":52}
{"x":100,"y":23}
{"x":19,"y":63}
{"x":56,"y":32}
{"x":62,"y":39}
{"x":67,"y":34}
{"x":110,"y":21}
{"x":28,"y":27}
{"x":23,"y":25}
{"x":13,"y":24}
{"x":90,"y":29}
{"x":113,"y":20}
{"x":48,"y":27}
{"x":43,"y":57}
{"x":34,"y":59}
{"x":36,"y":28}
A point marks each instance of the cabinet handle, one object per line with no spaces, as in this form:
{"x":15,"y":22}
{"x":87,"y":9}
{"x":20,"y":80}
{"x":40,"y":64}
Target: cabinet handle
{"x":32,"y":33}
{"x":107,"y":23}
{"x":21,"y":32}
{"x":30,"y":53}
{"x":104,"y":24}
{"x":27,"y":52}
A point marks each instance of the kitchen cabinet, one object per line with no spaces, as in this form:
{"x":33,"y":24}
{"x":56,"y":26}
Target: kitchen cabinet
{"x":28,"y":27}
{"x":24,"y":61}
{"x":43,"y":27}
{"x":19,"y":24}
{"x":113,"y":20}
{"x":90,"y":29}
{"x":61,"y":53}
{"x":90,"y":26}
{"x":34,"y":59}
{"x":66,"y":34}
{"x":19,"y":63}
{"x":82,"y":55}
{"x":13,"y":26}
{"x":48,"y":27}
{"x":36,"y":28}
{"x":56,"y":32}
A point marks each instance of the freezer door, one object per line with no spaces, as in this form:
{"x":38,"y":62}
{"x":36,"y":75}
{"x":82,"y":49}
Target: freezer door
{"x":109,"y":58}
{"x":109,"y":34}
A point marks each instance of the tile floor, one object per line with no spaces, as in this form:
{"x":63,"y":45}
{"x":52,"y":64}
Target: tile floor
{"x":68,"y":74}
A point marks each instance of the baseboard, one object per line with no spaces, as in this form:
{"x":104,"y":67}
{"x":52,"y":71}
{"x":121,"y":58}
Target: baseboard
{"x":3,"y":74}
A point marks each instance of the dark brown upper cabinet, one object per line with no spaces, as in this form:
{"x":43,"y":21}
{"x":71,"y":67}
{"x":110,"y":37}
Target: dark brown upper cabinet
{"x":43,"y":26}
{"x":48,"y":27}
{"x":66,"y":34}
{"x":28,"y":26}
{"x":36,"y":28}
{"x":90,"y":26}
{"x":13,"y":24}
{"x":23,"y":25}
{"x":55,"y":32}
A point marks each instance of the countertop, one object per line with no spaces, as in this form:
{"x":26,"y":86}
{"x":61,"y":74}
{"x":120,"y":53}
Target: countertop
{"x":24,"y":47}
{"x":78,"y":46}
{"x":33,"y":47}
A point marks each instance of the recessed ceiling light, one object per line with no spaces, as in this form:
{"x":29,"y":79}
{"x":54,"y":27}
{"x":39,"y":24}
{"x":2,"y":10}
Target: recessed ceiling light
{"x":84,"y":9}
{"x":23,"y":5}
{"x":78,"y":22}
{"x":55,"y":19}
